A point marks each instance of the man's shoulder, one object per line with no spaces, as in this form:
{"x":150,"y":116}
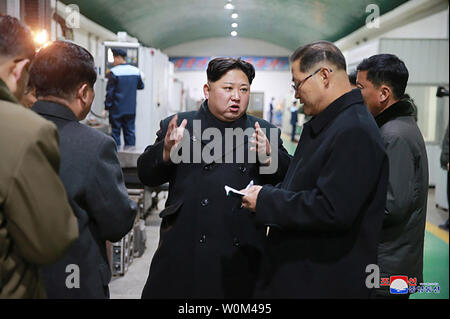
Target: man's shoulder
{"x":22,"y":121}
{"x":356,"y":116}
{"x":94,"y":134}
{"x":125,"y":70}
{"x":85,"y":137}
{"x":355,"y":121}
{"x":22,"y":131}
{"x":403,"y":127}
{"x":190,"y":115}
{"x":263,"y":123}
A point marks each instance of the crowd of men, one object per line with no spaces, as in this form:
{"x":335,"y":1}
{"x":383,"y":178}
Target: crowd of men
{"x":353,"y":194}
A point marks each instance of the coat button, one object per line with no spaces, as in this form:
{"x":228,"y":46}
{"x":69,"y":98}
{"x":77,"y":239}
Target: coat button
{"x":204,"y":202}
{"x":203,"y":239}
{"x":243,"y":169}
{"x":236,"y":242}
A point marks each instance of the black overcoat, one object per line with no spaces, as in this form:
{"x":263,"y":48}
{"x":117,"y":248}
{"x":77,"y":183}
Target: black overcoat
{"x":209,"y":247}
{"x":325,"y":217}
{"x":91,"y":174}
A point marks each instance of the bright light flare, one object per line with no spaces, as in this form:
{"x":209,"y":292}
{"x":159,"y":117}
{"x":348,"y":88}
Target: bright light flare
{"x":41,"y":37}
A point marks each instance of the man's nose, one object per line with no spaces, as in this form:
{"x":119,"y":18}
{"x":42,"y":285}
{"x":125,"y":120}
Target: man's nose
{"x":236,"y":95}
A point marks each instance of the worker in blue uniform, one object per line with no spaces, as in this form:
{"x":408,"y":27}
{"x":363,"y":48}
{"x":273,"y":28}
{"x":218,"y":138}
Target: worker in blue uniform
{"x":123,"y":82}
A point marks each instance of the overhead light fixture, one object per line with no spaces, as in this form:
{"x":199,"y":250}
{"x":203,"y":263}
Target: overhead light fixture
{"x":233,"y":33}
{"x":229,"y":5}
{"x":41,"y":37}
{"x":234,"y":25}
{"x":234,"y":15}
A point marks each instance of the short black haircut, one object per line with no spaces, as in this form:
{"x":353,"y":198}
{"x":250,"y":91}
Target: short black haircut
{"x":219,"y":66}
{"x":313,"y":53}
{"x":119,"y":52}
{"x":352,"y":77}
{"x":60,"y":68}
{"x":15,"y":38}
{"x":386,"y":69}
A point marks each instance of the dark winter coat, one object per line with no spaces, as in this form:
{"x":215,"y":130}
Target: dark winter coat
{"x":209,"y":247}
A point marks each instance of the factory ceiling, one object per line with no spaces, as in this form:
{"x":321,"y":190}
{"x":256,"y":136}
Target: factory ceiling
{"x":287,"y":23}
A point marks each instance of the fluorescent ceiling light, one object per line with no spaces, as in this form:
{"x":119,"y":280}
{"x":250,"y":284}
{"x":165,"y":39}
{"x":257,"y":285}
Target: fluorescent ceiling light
{"x":229,"y":6}
{"x":234,"y":25}
{"x":234,"y":15}
{"x":233,"y":33}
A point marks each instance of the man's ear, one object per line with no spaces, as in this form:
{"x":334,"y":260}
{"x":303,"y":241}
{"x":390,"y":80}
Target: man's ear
{"x":325,"y":74}
{"x":385,"y":93}
{"x":18,"y":68}
{"x":82,"y":92}
{"x":206,"y":89}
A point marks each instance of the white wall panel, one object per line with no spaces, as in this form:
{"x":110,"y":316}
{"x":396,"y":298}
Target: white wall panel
{"x":426,"y":59}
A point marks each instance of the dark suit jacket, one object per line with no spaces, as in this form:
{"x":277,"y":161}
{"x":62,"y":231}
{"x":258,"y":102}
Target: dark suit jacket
{"x":326,"y":215}
{"x":209,"y":247}
{"x":91,"y":173}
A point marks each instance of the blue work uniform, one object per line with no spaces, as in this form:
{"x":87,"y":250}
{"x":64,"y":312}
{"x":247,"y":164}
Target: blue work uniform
{"x":123,"y":81}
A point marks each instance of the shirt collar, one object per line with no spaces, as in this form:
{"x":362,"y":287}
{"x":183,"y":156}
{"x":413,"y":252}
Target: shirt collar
{"x":320,"y":121}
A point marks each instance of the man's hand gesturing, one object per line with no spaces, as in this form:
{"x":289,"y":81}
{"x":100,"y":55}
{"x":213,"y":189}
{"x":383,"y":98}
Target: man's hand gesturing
{"x":173,"y":136}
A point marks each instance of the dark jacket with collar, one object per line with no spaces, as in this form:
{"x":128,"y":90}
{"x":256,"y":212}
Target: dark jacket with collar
{"x":92,"y":176}
{"x":209,"y":247}
{"x":326,"y":215}
{"x":400,"y":251}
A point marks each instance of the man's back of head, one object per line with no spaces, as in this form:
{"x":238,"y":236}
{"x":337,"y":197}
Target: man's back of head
{"x":64,"y":72}
{"x":16,"y":52}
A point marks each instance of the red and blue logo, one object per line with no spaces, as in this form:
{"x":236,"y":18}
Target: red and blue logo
{"x":398,"y":285}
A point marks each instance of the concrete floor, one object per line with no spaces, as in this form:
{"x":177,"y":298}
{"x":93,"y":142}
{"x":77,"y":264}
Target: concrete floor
{"x":131,"y":284}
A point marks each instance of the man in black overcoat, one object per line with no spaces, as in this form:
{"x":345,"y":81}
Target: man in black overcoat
{"x":208,"y":247}
{"x":324,"y":220}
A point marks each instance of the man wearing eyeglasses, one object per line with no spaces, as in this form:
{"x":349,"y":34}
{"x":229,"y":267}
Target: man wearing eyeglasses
{"x":323,"y":221}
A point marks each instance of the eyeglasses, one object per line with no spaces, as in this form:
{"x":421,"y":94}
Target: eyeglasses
{"x":299,"y":84}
